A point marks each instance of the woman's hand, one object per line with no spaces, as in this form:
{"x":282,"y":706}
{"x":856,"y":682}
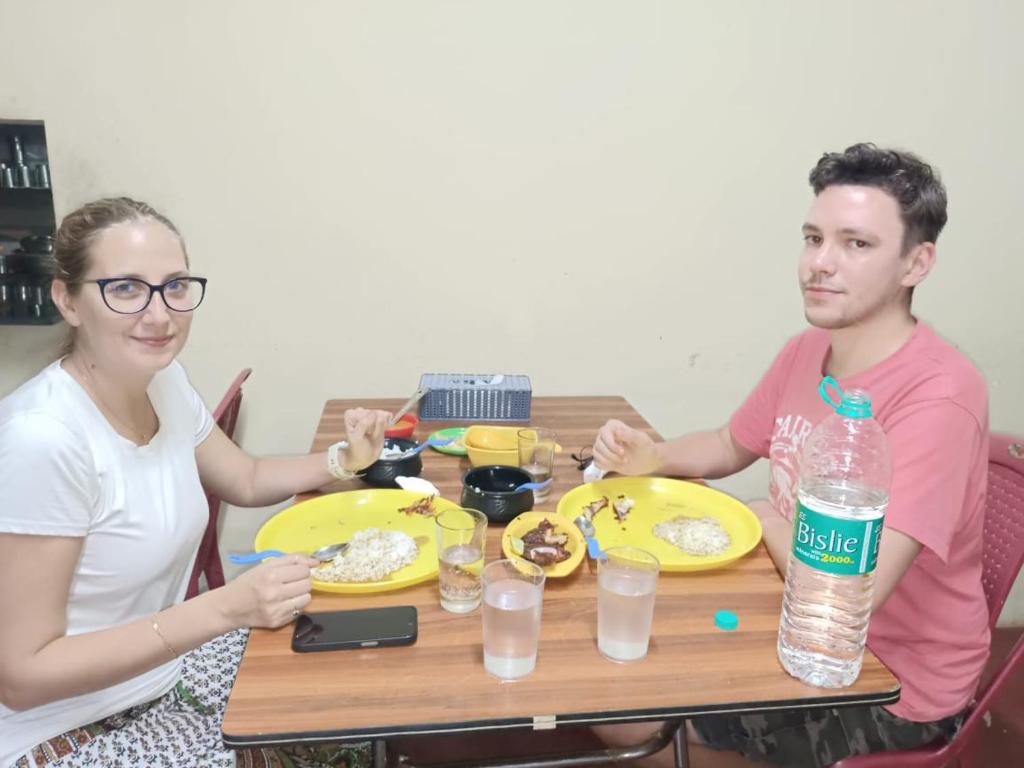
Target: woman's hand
{"x":364,"y":432}
{"x":270,"y":595}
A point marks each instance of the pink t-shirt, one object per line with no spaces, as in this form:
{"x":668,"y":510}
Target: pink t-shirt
{"x":932,"y":632}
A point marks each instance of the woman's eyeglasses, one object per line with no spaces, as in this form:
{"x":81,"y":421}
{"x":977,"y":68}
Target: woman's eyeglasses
{"x":129,"y":295}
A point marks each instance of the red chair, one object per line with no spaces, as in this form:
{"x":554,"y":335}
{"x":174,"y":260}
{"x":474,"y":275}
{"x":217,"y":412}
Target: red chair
{"x":208,"y":558}
{"x":1003,"y":555}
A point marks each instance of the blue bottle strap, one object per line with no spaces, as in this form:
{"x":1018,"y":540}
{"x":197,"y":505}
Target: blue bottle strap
{"x":823,"y":390}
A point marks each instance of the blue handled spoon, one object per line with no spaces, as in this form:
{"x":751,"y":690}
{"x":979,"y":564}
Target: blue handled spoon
{"x":587,"y":529}
{"x":432,"y":442}
{"x":324,"y":554}
{"x":533,"y":486}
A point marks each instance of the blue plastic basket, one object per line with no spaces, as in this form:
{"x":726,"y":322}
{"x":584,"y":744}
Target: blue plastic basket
{"x":475,"y":397}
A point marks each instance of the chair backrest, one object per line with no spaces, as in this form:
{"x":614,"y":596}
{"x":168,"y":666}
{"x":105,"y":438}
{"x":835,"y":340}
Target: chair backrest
{"x":207,"y":561}
{"x":1003,"y":555}
{"x":226,"y":412}
{"x":1003,"y":551}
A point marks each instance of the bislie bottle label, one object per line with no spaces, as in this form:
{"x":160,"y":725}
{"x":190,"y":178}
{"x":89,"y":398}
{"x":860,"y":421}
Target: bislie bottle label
{"x":836,"y":545}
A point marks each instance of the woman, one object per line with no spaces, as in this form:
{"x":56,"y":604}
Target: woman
{"x":103,"y":458}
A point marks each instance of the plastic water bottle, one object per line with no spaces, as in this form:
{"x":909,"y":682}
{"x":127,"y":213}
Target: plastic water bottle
{"x":845,"y":474}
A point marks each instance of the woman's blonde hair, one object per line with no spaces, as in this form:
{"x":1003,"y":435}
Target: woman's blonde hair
{"x":79,"y":231}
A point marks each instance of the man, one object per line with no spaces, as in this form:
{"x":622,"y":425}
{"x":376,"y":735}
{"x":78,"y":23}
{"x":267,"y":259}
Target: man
{"x":869,"y":239}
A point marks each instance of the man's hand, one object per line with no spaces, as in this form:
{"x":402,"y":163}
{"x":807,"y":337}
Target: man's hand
{"x":776,"y":532}
{"x":620,"y":448}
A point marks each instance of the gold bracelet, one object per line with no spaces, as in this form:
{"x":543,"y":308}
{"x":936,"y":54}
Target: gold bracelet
{"x":167,"y":645}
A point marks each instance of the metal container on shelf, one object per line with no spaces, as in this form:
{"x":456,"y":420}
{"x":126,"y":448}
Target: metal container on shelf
{"x":35,"y":246}
{"x":22,"y":173}
{"x":25,"y":274}
{"x":17,"y":155}
{"x":6,"y":283}
{"x":6,"y":298}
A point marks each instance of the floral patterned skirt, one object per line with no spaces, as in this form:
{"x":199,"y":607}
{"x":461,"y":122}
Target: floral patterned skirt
{"x":181,"y":729}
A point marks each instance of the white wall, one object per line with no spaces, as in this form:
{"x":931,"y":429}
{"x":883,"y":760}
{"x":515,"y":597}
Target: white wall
{"x":604,"y":195}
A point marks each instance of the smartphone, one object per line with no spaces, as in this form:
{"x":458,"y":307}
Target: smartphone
{"x":361,"y":628}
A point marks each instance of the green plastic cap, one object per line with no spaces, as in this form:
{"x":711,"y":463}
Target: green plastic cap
{"x":726,"y":620}
{"x":853,"y":403}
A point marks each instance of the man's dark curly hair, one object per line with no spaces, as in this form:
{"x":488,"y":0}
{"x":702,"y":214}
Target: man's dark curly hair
{"x":912,"y":182}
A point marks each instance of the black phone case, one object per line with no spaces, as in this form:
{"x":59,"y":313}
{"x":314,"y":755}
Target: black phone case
{"x":307,"y":622}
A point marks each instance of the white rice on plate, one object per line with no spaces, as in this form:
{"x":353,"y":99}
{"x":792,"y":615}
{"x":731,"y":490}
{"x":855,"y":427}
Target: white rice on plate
{"x":699,"y":536}
{"x":372,"y":555}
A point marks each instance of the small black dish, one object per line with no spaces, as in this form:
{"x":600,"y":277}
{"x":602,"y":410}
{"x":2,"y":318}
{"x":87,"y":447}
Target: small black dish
{"x":491,"y":490}
{"x":382,"y":472}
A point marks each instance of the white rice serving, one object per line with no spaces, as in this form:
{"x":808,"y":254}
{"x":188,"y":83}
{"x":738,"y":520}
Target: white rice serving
{"x":392,"y":451}
{"x":699,"y":536}
{"x":372,"y":555}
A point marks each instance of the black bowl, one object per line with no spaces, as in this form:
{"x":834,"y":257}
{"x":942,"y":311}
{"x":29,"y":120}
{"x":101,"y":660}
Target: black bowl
{"x":382,"y":472}
{"x":490,"y":489}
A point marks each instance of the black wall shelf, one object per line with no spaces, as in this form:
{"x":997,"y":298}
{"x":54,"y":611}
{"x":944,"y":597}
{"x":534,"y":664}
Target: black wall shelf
{"x":27,"y":224}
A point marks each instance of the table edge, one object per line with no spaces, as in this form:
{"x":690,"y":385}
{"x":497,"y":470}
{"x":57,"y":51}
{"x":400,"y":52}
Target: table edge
{"x":580,"y":718}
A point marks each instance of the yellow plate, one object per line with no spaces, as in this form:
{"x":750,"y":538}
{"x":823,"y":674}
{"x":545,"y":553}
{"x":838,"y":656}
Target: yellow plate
{"x":336,"y":517}
{"x":576,"y":545}
{"x":659,"y":499}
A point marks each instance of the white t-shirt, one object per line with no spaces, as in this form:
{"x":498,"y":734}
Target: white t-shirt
{"x":140,"y":511}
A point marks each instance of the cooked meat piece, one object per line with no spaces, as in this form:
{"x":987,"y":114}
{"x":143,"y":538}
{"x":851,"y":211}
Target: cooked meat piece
{"x":622,"y":506}
{"x":594,"y":507}
{"x":544,"y":545}
{"x":545,"y":555}
{"x":424,"y":506}
{"x":544,"y":533}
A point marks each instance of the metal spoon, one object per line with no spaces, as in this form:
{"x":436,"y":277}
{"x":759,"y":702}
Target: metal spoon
{"x":323,"y":554}
{"x":587,"y":529}
{"x":419,"y":393}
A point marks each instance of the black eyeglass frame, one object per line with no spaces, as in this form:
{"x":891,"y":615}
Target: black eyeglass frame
{"x":104,"y":282}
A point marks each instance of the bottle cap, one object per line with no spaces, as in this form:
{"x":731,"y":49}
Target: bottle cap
{"x":854,"y":404}
{"x":726,"y":620}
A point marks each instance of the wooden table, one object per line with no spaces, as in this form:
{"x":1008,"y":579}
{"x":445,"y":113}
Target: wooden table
{"x":439,"y":684}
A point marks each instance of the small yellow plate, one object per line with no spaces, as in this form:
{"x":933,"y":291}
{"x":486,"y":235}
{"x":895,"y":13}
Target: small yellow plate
{"x":518,"y":526}
{"x":658,"y":499}
{"x":335,"y":517}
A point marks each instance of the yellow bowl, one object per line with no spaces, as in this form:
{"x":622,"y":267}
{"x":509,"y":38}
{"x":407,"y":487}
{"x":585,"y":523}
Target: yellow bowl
{"x":528,"y":520}
{"x":488,"y":445}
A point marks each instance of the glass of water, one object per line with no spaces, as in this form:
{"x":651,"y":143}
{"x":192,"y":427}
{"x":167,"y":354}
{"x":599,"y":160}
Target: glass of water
{"x":513,"y":593}
{"x":461,"y":538}
{"x":627,"y":580}
{"x":537,"y":449}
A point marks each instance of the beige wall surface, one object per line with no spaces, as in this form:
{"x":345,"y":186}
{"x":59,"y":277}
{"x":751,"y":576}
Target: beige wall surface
{"x":604,"y":195}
